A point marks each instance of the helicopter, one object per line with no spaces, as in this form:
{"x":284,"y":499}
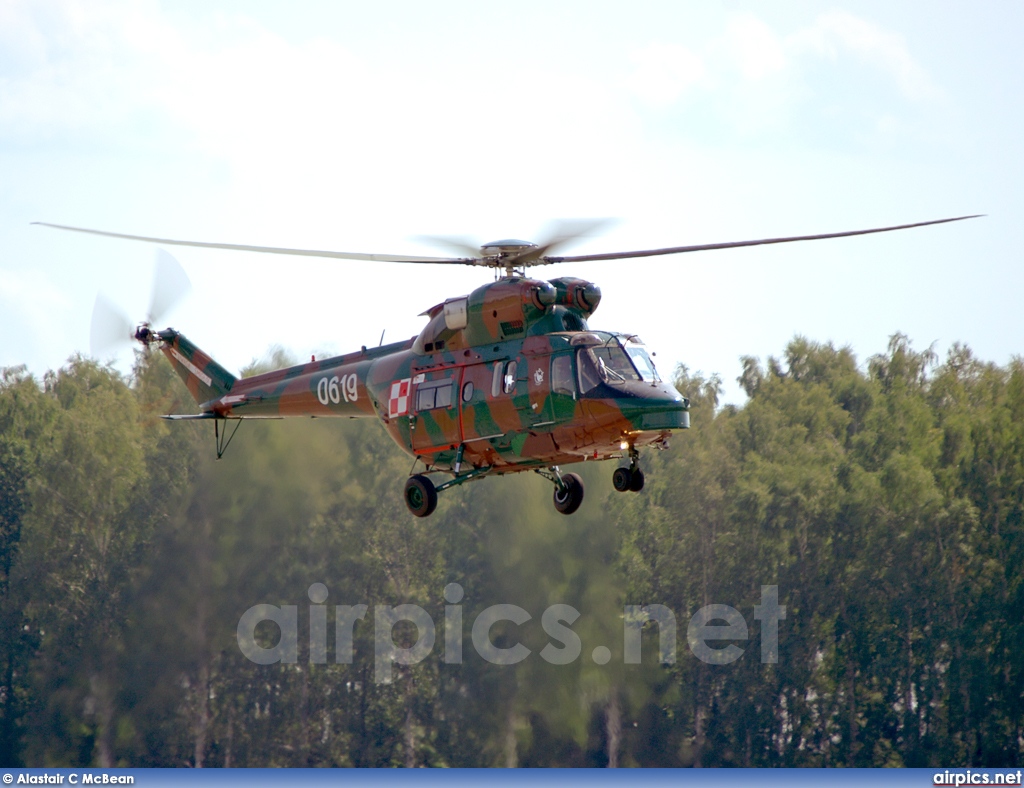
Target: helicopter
{"x":507,"y":379}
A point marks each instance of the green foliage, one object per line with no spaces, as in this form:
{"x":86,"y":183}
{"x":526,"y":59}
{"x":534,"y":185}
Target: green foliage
{"x":886,"y":502}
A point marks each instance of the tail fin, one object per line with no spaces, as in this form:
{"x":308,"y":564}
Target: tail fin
{"x":204,"y":378}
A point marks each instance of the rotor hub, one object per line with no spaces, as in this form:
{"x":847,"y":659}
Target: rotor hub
{"x":506,"y":248}
{"x":144,"y":334}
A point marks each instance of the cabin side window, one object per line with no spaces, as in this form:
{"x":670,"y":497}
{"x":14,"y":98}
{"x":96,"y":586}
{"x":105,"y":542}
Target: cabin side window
{"x":508,"y":384}
{"x":504,"y":378}
{"x":496,"y":379}
{"x":433,"y":395}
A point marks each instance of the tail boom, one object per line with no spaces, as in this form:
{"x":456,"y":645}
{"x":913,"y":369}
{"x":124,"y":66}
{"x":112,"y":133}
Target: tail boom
{"x":333,"y":387}
{"x":204,"y":378}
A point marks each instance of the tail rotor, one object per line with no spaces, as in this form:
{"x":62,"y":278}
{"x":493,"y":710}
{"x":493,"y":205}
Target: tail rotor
{"x":170,"y":285}
{"x":111,"y":327}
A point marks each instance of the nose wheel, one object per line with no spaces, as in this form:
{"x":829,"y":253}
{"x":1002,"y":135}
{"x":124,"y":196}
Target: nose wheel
{"x":629,"y":479}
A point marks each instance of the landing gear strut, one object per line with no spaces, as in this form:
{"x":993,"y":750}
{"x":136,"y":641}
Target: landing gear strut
{"x":631,"y":478}
{"x":421,"y":493}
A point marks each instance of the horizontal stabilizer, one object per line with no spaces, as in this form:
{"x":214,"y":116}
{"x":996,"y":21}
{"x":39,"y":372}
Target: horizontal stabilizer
{"x":212,"y":415}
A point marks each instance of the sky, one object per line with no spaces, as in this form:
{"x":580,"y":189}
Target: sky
{"x":363,"y":127}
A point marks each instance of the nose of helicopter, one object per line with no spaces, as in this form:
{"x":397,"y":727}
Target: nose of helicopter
{"x":655,"y":407}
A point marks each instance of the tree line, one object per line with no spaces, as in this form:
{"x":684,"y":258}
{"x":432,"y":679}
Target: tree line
{"x":883,"y":499}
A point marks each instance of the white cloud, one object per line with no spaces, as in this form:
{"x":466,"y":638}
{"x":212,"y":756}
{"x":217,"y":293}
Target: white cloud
{"x":311,"y":117}
{"x":747,"y":54}
{"x":754,"y":48}
{"x":32,"y":312}
{"x":663,"y":72}
{"x":68,"y":68}
{"x":836,"y":33}
{"x":756,"y":78}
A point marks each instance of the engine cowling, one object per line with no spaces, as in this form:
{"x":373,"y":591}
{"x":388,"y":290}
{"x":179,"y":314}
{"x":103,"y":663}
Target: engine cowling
{"x":578,"y":294}
{"x":509,"y":309}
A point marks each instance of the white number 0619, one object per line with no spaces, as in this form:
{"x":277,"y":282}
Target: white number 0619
{"x":333,"y":389}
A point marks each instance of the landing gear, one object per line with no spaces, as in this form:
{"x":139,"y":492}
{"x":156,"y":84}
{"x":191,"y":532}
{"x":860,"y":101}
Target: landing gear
{"x":631,"y":478}
{"x":628,"y":479}
{"x":568,"y":488}
{"x":420,"y":495}
{"x":569,"y":496}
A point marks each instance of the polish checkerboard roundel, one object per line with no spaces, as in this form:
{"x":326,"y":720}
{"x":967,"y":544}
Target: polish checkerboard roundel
{"x":398,"y":402}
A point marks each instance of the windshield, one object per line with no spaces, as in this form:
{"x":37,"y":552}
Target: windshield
{"x":615,"y":363}
{"x":604,"y":363}
{"x":611,"y":363}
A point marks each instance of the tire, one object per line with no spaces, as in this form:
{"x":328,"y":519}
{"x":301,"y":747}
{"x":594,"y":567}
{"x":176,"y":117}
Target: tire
{"x":636,"y":482}
{"x":420,"y":495}
{"x":622,"y":479}
{"x":568,"y":500}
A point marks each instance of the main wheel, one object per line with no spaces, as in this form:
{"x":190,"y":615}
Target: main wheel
{"x":568,"y":500}
{"x":622,"y":478}
{"x":636,"y":482}
{"x":420,"y":495}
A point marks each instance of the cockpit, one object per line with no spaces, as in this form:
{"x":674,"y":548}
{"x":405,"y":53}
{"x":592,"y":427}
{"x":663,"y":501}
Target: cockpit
{"x":617,"y":368}
{"x":612,"y":359}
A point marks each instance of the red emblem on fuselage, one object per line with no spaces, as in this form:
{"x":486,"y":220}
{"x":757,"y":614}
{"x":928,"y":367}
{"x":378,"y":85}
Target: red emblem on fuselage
{"x":398,"y":402}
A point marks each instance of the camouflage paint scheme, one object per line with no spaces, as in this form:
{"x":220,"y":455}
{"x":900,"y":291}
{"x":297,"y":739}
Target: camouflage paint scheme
{"x":482,"y":373}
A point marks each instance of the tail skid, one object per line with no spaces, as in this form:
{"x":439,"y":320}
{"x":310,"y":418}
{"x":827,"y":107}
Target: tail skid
{"x":221,"y":436}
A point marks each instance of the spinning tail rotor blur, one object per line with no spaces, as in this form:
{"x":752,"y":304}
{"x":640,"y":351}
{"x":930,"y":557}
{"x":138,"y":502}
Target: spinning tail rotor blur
{"x":111,"y":327}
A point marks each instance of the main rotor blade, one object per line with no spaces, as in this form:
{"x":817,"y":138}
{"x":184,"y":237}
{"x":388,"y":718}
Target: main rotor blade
{"x":457,"y":244}
{"x":109,"y":327}
{"x":560,"y":233}
{"x":531,"y":257}
{"x":170,"y":284}
{"x":735,"y":244}
{"x":380,"y":258}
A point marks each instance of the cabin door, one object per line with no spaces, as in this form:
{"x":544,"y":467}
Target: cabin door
{"x":435,"y":411}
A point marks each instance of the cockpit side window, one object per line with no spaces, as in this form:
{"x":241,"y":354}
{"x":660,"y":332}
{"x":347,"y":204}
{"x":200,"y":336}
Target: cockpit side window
{"x":561,"y":375}
{"x":587,"y":366}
